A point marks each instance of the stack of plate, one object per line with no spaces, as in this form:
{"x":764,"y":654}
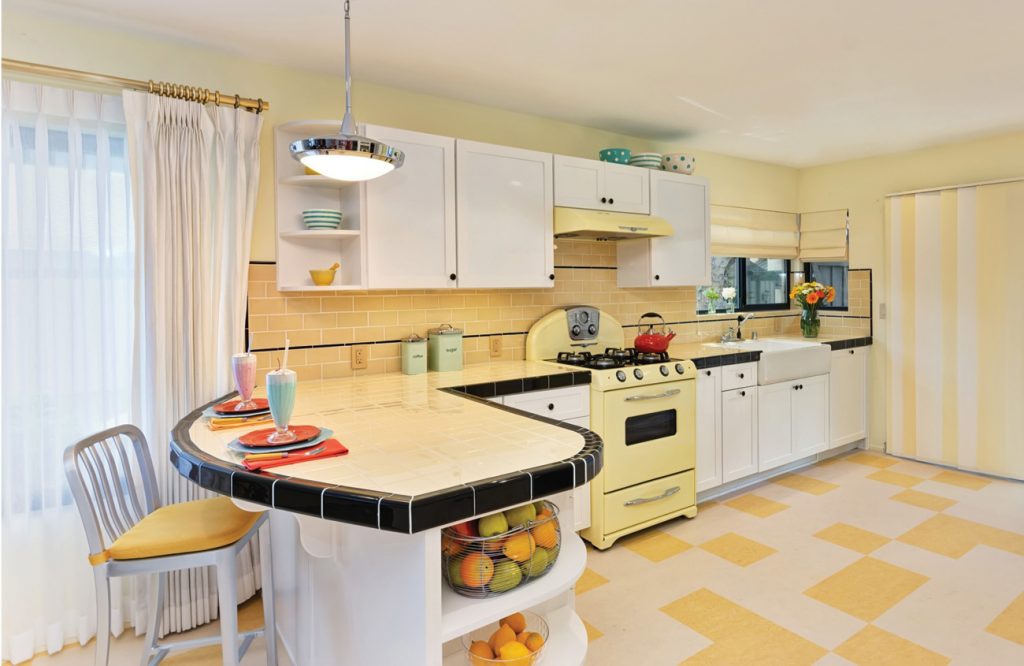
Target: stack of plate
{"x":321,"y":218}
{"x":646,"y":160}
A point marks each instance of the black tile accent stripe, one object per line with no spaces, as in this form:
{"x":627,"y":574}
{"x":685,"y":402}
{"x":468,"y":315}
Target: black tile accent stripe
{"x":849,"y":343}
{"x":391,"y":512}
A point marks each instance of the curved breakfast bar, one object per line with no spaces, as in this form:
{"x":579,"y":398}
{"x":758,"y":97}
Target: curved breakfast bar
{"x":425,"y":451}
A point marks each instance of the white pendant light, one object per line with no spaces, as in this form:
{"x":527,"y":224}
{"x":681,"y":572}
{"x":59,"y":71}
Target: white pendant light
{"x":347,"y":156}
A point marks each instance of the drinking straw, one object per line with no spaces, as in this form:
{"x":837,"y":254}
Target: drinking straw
{"x":284,"y":365}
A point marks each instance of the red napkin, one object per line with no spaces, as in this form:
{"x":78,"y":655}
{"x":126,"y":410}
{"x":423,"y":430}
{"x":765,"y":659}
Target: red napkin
{"x":260,"y":437}
{"x":332,"y":447}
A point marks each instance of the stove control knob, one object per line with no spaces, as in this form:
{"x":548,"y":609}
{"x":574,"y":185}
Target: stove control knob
{"x":680,"y":369}
{"x":620,"y":375}
{"x":576,"y":330}
{"x":592,"y":329}
{"x":664,"y":370}
{"x":638,"y":373}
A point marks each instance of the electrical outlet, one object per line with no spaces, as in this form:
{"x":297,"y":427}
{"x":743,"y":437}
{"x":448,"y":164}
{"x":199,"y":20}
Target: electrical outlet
{"x":359,"y":355}
{"x":495,"y":345}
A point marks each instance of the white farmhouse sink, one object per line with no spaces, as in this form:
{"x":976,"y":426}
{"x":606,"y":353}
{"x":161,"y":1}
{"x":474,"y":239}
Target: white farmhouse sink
{"x":783,"y":360}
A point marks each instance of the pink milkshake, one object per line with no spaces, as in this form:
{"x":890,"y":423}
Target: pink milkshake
{"x":244,"y":367}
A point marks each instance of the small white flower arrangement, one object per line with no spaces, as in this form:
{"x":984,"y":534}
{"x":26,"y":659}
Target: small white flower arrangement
{"x":728,"y":294}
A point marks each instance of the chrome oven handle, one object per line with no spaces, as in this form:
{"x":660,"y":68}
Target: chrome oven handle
{"x":667,"y":394}
{"x":644,"y":500}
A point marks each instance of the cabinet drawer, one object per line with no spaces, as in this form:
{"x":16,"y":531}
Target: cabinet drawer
{"x":739,"y":375}
{"x":562,"y":403}
{"x":646,"y":501}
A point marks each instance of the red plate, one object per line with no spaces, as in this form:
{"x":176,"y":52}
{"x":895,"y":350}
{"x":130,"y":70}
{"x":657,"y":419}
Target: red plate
{"x":303,"y":433}
{"x":229,"y":407}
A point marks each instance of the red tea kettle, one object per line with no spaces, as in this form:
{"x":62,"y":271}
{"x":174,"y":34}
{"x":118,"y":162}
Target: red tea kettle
{"x":649,"y":341}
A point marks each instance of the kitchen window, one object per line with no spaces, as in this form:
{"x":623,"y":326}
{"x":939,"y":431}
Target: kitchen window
{"x":760,"y":284}
{"x":833,"y":273}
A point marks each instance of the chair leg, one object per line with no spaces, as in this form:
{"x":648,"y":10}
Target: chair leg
{"x":102,"y":615}
{"x":267,"y":574}
{"x":227,"y":590}
{"x":157,"y":585}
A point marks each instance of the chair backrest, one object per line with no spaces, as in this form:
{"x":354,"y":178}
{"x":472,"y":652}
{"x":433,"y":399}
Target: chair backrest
{"x":112,"y":480}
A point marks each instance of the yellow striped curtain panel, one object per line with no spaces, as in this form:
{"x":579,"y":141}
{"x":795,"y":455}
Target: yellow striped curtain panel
{"x":956,"y":327}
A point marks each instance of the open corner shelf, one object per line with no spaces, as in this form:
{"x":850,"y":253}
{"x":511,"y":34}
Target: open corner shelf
{"x":321,"y":233}
{"x":566,"y":645}
{"x":317,"y":181}
{"x":313,"y":287}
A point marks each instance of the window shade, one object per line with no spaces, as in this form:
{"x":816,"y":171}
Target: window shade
{"x":747,"y":232}
{"x":823,"y":236}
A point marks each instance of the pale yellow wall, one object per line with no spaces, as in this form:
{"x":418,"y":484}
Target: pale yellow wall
{"x":296,"y":94}
{"x":861,"y":186}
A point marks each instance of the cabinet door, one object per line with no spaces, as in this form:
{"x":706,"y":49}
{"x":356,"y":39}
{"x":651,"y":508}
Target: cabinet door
{"x":775,"y":424}
{"x":410,"y":214}
{"x":709,"y":428}
{"x":847,"y":404}
{"x":810,"y":416}
{"x":628,"y":189}
{"x":504,"y":207}
{"x":739,"y":433}
{"x":579,"y":182}
{"x":683,"y":259}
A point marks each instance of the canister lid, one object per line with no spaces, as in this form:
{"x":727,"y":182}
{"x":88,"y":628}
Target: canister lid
{"x":445,"y":329}
{"x":414,"y":338}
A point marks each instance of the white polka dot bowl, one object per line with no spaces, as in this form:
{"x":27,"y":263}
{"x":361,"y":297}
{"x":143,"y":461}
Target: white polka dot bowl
{"x":616,"y":155}
{"x":678,"y":162}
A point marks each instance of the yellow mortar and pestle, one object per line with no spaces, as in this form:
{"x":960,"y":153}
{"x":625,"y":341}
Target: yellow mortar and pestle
{"x":324,"y":277}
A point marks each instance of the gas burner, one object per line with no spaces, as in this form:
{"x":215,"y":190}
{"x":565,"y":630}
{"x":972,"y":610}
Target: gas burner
{"x":646,"y":358}
{"x":622,"y":355}
{"x":574,"y":358}
{"x":602,"y":362}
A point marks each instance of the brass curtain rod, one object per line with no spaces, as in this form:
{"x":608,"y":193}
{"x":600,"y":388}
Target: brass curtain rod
{"x":177,"y":91}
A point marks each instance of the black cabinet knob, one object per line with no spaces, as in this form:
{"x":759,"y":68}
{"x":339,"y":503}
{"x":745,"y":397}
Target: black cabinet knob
{"x":657,"y":277}
{"x":551,"y":276}
{"x":604,"y":199}
{"x":743,"y":394}
{"x":611,"y":201}
{"x":851,"y":351}
{"x":707,"y":372}
{"x":741,"y":375}
{"x":551,"y":406}
{"x":452,"y":276}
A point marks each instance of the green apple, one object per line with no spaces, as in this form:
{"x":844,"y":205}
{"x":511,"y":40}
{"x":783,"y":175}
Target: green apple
{"x":493,"y":525}
{"x":520,"y":515}
{"x":536,"y":564}
{"x":506,"y":576}
{"x":455,"y":572}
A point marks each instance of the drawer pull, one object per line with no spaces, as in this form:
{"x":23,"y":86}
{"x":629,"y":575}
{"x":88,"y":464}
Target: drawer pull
{"x":551,"y":406}
{"x":741,"y":375}
{"x":644,"y":500}
{"x":667,"y":394}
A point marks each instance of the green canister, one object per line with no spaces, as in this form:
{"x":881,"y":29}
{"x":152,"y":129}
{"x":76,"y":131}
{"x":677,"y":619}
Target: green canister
{"x":444,"y":348}
{"x":414,"y":355}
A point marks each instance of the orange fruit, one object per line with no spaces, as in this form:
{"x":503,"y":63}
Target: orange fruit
{"x":534,"y":641}
{"x":477,"y":570}
{"x":516,"y":620}
{"x":451,"y":547}
{"x":519,"y":547}
{"x":522,"y":636}
{"x":545,"y":534}
{"x":499,"y":638}
{"x":515,"y":654}
{"x":480,"y":649}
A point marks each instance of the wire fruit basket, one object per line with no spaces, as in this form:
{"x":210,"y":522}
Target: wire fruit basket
{"x":522,"y":544}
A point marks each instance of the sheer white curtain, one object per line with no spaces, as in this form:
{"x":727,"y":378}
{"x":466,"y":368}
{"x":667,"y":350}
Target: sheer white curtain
{"x":67,"y":286}
{"x":194,"y":173}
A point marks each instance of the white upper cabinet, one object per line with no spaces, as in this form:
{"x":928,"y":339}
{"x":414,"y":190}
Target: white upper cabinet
{"x":683,"y":259}
{"x":505,"y":210}
{"x":596,"y":185}
{"x":410,"y":214}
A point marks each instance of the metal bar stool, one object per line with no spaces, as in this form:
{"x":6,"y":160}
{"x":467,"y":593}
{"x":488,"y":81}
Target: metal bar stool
{"x":129,"y":534}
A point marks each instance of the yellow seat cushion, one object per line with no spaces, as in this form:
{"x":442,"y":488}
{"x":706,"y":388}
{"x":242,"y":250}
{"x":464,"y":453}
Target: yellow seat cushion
{"x":188,"y":527}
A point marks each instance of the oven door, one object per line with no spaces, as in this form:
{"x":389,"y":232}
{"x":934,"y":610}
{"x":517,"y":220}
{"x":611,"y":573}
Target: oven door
{"x":648,"y":432}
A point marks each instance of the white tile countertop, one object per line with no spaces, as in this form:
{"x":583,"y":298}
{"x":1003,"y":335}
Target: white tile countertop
{"x":409,"y":438}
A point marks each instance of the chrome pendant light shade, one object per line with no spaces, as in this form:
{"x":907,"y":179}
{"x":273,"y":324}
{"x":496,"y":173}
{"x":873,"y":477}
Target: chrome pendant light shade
{"x":347,"y":156}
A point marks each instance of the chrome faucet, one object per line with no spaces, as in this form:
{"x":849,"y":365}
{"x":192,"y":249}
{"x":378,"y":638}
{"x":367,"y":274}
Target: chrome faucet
{"x":729,"y":336}
{"x":740,"y":320}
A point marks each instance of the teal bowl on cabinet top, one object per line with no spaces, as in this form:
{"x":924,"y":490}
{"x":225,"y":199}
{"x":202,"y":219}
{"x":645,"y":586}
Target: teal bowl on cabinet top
{"x":616,"y":155}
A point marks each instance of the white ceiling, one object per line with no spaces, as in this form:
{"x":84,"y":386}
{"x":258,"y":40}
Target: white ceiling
{"x":797,"y":82}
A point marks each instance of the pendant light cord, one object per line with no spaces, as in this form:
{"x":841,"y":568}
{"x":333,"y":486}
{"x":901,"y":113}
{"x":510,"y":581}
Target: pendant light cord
{"x":348,"y":123}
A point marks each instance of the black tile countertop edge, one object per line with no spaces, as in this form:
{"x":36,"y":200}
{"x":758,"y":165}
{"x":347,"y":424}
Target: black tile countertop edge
{"x":750,"y":357}
{"x":399,"y":513}
{"x":849,"y":343}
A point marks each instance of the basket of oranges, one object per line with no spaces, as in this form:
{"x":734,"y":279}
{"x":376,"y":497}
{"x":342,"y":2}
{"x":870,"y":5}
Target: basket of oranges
{"x":501,"y":551}
{"x":518,"y":641}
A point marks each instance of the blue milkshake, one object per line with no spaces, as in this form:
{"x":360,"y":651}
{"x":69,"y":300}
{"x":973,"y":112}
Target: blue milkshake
{"x":281,"y":396}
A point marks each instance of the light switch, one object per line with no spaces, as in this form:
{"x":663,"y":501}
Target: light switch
{"x":495,"y":345}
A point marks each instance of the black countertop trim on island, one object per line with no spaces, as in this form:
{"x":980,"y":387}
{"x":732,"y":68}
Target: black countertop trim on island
{"x":392,"y":512}
{"x":849,"y":343}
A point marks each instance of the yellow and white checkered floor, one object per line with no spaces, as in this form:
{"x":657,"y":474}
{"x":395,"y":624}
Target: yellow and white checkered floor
{"x":862,"y":559}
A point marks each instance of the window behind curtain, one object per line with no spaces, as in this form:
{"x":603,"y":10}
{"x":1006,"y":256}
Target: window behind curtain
{"x":761,"y":284}
{"x":832,"y":273}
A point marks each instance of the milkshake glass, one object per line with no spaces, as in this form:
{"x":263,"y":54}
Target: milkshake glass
{"x":244,"y":368}
{"x":281,"y":395}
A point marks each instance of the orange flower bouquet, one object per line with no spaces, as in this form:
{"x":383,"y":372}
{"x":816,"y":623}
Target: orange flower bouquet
{"x":810,"y":295}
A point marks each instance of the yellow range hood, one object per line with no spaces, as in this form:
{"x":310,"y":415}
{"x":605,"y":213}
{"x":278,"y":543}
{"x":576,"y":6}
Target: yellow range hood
{"x":603,"y":225}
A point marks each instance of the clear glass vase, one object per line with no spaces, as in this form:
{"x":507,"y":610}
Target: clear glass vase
{"x":810,"y":324}
{"x":711,"y":307}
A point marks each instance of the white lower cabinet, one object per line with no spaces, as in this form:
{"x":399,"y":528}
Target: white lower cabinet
{"x":792,"y":420}
{"x":709,"y":428}
{"x":848,"y":383}
{"x":740,"y":440}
